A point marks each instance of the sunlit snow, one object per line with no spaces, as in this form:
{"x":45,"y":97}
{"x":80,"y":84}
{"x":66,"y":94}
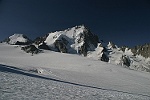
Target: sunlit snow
{"x":59,"y":76}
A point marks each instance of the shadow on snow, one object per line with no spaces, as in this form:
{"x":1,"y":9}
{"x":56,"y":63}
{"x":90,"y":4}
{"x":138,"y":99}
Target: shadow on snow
{"x":11,"y":69}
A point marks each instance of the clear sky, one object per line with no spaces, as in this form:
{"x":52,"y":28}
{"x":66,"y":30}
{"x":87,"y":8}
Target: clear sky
{"x":125,"y":22}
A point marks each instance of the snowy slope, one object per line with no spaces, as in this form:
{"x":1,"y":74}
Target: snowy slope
{"x":66,"y":76}
{"x":19,"y":86}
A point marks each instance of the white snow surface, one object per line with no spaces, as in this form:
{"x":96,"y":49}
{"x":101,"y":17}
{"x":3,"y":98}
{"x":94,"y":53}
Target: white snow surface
{"x":17,"y":37}
{"x":57,"y":76}
{"x":97,"y":53}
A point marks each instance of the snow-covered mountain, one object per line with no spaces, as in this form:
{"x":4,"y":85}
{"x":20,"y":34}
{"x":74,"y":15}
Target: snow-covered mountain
{"x":80,"y":40}
{"x":76,"y":40}
{"x":18,"y":39}
{"x":103,"y":72}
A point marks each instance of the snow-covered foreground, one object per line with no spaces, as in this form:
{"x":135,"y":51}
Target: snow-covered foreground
{"x":19,"y":85}
{"x":51,"y":75}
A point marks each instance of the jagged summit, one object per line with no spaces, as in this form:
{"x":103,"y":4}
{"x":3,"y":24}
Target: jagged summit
{"x":78,"y":39}
{"x":17,"y":39}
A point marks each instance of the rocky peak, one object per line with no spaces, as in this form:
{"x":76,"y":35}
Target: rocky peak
{"x":78,"y":39}
{"x":30,"y":49}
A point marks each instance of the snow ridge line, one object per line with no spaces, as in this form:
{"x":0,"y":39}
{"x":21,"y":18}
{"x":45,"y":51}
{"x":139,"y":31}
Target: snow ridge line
{"x":15,"y":70}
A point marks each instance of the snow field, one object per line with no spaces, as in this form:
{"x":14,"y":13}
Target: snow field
{"x":75,"y":77}
{"x":20,"y":87}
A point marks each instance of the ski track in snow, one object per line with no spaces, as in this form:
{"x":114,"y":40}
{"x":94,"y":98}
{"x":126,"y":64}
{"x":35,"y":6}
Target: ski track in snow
{"x":16,"y":84}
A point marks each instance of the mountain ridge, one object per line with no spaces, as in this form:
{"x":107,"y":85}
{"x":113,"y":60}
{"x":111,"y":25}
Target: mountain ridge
{"x":80,"y":40}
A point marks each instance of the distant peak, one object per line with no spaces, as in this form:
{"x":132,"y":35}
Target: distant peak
{"x":17,"y":39}
{"x":17,"y":35}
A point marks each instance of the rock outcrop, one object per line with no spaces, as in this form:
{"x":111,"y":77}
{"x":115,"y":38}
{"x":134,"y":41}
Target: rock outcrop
{"x":30,"y":49}
{"x":104,"y":57}
{"x":60,"y":46}
{"x":125,"y":60}
{"x":43,"y":46}
{"x":40,"y":40}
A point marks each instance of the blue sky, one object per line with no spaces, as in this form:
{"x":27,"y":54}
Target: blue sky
{"x":125,"y":22}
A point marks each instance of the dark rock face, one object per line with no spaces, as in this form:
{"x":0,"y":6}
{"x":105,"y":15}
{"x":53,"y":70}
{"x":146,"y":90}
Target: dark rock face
{"x":64,"y":41}
{"x":89,"y":38}
{"x":104,"y":58}
{"x":125,"y":60}
{"x":143,"y":50}
{"x":30,"y":49}
{"x":39,"y":40}
{"x":123,"y":48}
{"x":104,"y":49}
{"x":43,"y":46}
{"x":60,"y":46}
{"x":22,"y":43}
{"x":83,"y":50}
